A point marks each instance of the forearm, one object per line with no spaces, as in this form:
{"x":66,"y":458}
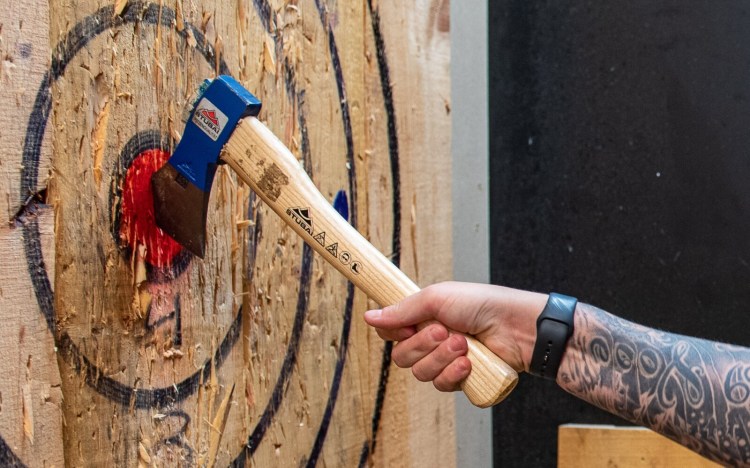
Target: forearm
{"x":691,"y":390}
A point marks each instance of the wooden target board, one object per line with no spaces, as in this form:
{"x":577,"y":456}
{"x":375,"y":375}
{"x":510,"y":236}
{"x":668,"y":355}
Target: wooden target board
{"x":121,"y":348}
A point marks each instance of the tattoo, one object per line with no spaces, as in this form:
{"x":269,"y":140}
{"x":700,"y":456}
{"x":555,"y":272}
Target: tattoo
{"x":694,"y":391}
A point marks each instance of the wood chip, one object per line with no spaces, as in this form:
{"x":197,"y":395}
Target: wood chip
{"x":269,"y":58}
{"x":143,"y":453}
{"x":120,"y":6}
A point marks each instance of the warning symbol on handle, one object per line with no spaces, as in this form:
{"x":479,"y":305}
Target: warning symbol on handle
{"x":333,"y":249}
{"x":321,"y":238}
{"x":346,"y":257}
{"x":356,"y":267}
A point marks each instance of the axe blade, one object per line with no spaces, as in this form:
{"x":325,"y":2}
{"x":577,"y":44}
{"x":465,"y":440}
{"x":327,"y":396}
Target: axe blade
{"x":180,"y":209}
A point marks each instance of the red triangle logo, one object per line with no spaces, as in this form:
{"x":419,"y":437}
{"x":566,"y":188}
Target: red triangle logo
{"x":210,"y":115}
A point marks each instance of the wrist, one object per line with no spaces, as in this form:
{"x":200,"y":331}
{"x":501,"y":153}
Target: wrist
{"x":526,"y":307}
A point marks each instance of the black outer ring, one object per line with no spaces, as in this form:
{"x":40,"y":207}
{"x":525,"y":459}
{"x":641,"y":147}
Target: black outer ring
{"x":76,"y":39}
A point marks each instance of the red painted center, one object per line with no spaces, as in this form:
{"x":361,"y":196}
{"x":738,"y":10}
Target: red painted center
{"x":137,"y":225}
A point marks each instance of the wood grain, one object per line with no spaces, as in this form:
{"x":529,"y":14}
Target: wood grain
{"x":25,"y":51}
{"x":148,"y":355}
{"x":622,"y":447}
{"x":30,"y":395}
{"x":31,"y":421}
{"x":418,"y":59}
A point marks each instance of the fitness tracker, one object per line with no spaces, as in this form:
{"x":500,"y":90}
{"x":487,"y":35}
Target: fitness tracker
{"x":553,"y":328}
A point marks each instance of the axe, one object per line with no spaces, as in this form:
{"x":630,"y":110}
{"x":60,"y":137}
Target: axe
{"x":222,"y":127}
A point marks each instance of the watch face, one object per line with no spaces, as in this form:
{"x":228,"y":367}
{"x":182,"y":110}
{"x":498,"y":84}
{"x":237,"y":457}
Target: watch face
{"x":561,"y":308}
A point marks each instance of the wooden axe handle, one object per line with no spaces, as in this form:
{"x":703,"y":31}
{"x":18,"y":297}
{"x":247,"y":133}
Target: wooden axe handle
{"x":271,"y":170}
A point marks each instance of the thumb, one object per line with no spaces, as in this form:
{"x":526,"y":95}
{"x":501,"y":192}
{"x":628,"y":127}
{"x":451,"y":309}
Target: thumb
{"x":413,"y":310}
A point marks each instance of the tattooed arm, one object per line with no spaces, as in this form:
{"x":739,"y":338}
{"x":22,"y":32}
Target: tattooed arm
{"x":694,"y":391}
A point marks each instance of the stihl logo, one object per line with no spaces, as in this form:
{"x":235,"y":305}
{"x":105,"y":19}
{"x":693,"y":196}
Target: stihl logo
{"x":209,"y":118}
{"x":302,"y":217}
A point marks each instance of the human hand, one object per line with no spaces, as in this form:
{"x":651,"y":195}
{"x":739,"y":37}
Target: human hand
{"x":503,"y":319}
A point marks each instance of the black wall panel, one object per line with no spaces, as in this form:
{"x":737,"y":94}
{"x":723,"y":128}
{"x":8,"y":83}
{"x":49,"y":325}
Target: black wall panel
{"x":620,"y":173}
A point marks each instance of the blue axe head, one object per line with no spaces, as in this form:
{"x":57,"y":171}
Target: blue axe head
{"x":182,"y":187}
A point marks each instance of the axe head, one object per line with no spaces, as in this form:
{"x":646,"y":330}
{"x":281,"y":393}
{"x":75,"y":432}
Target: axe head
{"x":182,"y":187}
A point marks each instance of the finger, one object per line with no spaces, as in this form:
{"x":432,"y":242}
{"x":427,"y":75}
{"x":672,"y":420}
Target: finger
{"x":450,"y":379}
{"x":417,"y":308}
{"x":399,"y":334}
{"x":432,"y":365}
{"x":408,"y":352}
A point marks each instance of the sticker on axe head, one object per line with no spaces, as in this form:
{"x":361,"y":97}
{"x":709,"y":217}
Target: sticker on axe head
{"x":209,"y":118}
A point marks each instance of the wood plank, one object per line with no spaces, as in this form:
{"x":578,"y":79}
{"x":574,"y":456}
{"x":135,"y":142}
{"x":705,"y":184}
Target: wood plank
{"x":25,"y":55}
{"x":30,"y":394}
{"x":418,"y":52}
{"x":30,"y":409}
{"x":298,"y":376}
{"x":608,"y":446}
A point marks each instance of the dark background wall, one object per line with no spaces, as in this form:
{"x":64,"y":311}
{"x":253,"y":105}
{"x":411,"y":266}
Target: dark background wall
{"x":620,"y":173}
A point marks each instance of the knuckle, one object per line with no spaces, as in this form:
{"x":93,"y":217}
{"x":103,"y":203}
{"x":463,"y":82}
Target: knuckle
{"x":400,"y":357}
{"x":437,"y":333}
{"x":457,"y":344}
{"x":420,"y":374}
{"x":442,"y":386}
{"x":399,"y":361}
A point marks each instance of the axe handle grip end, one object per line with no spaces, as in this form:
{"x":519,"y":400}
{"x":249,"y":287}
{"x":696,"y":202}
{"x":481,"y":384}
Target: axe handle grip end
{"x":263,"y":162}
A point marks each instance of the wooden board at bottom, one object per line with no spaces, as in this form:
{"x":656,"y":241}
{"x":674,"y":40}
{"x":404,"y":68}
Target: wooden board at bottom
{"x":622,"y":447}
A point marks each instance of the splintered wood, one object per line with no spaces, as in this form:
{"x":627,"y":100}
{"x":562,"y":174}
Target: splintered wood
{"x":120,"y":348}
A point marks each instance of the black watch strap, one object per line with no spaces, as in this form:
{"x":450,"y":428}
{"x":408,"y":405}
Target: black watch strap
{"x":553,"y":328}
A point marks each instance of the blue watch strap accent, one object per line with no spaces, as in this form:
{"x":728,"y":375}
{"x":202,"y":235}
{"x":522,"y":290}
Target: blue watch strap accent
{"x":553,"y":329}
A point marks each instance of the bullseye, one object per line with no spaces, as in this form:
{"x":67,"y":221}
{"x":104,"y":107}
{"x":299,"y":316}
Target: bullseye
{"x":137,"y":224}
